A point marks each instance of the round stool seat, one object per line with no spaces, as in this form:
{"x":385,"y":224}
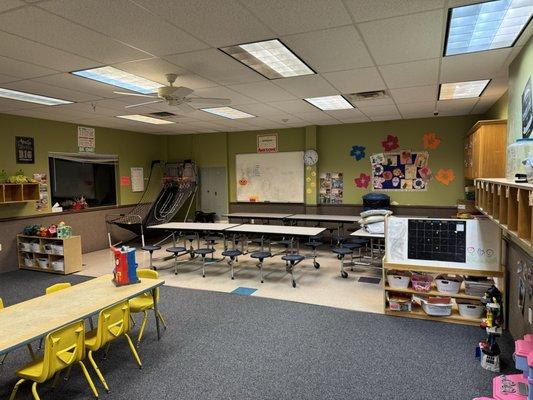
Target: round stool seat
{"x":261,"y":254}
{"x":232,"y":253}
{"x":352,"y":246}
{"x":341,"y":250}
{"x":292,"y":257}
{"x":176,"y":250}
{"x":203,"y":251}
{"x":313,"y":244}
{"x":150,"y":247}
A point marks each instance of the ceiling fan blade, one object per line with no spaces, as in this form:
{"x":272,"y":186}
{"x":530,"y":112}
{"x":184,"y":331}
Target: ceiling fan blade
{"x":145,"y":103}
{"x":209,"y":100}
{"x":184,"y":107}
{"x":181,"y":91}
{"x":137,"y":94}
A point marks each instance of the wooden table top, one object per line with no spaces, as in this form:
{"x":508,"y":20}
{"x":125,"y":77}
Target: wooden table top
{"x":25,"y":322}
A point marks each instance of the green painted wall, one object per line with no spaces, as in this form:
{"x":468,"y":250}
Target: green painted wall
{"x":500,"y":109}
{"x":520,"y":70}
{"x":133,"y":149}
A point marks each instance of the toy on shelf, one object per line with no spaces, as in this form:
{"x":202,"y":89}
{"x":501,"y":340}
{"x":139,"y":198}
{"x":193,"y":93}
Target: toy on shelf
{"x":125,"y":271}
{"x":64,"y":230}
{"x":490,"y":350}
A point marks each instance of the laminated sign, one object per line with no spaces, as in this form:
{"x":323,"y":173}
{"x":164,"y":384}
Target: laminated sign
{"x":267,"y":143}
{"x":86,"y":139}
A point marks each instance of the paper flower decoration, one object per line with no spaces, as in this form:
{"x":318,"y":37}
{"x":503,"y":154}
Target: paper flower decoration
{"x":390,"y":143}
{"x":363,"y":181}
{"x":358,"y":152}
{"x":430,"y":140}
{"x":425,"y":173}
{"x":445,"y":176}
{"x":378,"y":182}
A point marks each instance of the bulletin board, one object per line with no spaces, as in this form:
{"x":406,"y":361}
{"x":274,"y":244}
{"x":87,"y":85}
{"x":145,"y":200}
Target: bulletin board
{"x":270,"y":177}
{"x":400,"y":171}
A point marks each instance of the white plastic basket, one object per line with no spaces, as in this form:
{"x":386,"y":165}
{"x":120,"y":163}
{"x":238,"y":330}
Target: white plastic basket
{"x":57,"y":249}
{"x":25,"y":246}
{"x":58,"y":265}
{"x":398,"y":281}
{"x":470,"y":309}
{"x":448,"y":284}
{"x":43,"y":263}
{"x":35,"y":247}
{"x":28,"y":262}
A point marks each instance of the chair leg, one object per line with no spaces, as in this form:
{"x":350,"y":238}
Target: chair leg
{"x":160,"y":316}
{"x":133,"y":351}
{"x":16,"y":388}
{"x":88,"y":378}
{"x":97,"y":370}
{"x":141,"y":331}
{"x":107,"y":350}
{"x":34,"y":391}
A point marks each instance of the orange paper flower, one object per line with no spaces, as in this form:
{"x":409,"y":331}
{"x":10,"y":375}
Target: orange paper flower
{"x":431,"y":140}
{"x":445,"y":176}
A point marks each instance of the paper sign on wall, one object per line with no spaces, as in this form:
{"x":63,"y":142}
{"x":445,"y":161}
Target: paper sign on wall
{"x":137,"y":179}
{"x":86,"y":139}
{"x":125,"y":180}
{"x":25,"y":150}
{"x":267,"y":143}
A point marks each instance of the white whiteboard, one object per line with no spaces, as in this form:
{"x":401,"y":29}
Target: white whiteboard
{"x":483,"y":240}
{"x":272,"y":177}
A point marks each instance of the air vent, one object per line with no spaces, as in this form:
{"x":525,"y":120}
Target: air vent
{"x":373,"y":95}
{"x":162,"y":114}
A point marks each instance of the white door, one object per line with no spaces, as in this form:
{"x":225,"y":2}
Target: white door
{"x":214,"y":190}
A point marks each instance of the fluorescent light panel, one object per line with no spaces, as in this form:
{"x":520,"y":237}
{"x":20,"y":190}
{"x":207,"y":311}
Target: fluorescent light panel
{"x":462,"y":90}
{"x":486,"y":26}
{"x":228,"y":112}
{"x":270,"y":58}
{"x":119,"y":78}
{"x":145,"y":119}
{"x":329,"y":103}
{"x":31,"y":98}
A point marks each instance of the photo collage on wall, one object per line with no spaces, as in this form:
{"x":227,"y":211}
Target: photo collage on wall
{"x":402,"y":171}
{"x":331,"y":187}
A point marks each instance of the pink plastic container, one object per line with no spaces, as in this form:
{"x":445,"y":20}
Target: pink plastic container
{"x":421,"y":282}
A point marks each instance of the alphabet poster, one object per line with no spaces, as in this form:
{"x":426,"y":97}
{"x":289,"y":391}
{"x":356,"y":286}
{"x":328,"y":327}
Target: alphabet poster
{"x":403,"y":171}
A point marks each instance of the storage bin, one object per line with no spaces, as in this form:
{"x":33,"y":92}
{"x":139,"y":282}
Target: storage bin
{"x":448,"y":283}
{"x":399,"y":279}
{"x":25,"y":246}
{"x":58,"y":265}
{"x":43,"y":263}
{"x":477,"y":286}
{"x":29,"y":262}
{"x":57,"y":249}
{"x":398,"y":302}
{"x":470,"y":309}
{"x":48,"y":248}
{"x":437,"y":307}
{"x":421,"y":282}
{"x":35,"y":247}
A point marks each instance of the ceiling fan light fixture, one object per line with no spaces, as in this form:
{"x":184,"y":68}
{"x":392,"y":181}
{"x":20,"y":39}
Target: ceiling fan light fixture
{"x":116,"y":77}
{"x":228,"y":112}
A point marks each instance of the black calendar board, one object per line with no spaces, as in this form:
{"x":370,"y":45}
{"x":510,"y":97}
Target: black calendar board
{"x":438,"y":240}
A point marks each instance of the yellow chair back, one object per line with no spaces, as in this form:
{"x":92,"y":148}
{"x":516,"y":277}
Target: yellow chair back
{"x":1,"y":303}
{"x":149,"y":274}
{"x":113,"y":322}
{"x":57,"y":287}
{"x":63,"y":348}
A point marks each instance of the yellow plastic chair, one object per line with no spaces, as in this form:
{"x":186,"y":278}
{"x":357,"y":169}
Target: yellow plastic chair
{"x":5,"y":355}
{"x":145,"y":301}
{"x":57,"y":287}
{"x":63,"y":348}
{"x":113,"y":322}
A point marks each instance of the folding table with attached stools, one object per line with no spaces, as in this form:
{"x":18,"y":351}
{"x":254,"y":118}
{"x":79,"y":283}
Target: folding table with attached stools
{"x":150,"y":248}
{"x":292,"y":260}
{"x":314,"y":243}
{"x":176,"y":252}
{"x":341,"y":253}
{"x":261,"y":255}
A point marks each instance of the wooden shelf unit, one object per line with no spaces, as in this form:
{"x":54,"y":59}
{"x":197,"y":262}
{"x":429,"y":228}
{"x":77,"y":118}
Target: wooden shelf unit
{"x":417,"y":312}
{"x":72,"y":261}
{"x":515,"y":201}
{"x":18,"y":192}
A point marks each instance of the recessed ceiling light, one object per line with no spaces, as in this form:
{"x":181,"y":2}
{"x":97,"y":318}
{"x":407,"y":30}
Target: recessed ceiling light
{"x":116,"y":77}
{"x":486,"y":26}
{"x":329,"y":103}
{"x":271,"y":58}
{"x":31,"y":98}
{"x":145,"y":119}
{"x":462,"y":90}
{"x":228,"y":112}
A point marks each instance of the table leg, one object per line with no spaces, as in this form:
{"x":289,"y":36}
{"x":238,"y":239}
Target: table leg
{"x":156,"y":313}
{"x":371,"y":250}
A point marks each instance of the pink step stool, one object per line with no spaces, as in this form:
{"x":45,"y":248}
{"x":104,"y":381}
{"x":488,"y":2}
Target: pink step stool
{"x":499,"y":395}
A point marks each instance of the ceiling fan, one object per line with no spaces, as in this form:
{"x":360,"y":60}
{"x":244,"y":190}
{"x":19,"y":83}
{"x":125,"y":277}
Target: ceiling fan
{"x":177,"y":96}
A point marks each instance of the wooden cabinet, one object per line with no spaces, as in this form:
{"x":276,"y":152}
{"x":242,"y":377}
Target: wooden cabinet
{"x":18,"y":192}
{"x":56,"y":255}
{"x":485,"y":150}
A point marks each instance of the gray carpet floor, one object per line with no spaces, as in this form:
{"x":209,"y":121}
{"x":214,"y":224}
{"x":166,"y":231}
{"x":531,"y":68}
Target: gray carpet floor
{"x":226,"y":346}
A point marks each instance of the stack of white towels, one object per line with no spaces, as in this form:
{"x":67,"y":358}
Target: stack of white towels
{"x":373,"y":221}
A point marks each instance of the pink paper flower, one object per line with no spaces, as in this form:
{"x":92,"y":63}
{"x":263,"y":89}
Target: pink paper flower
{"x":390,"y":143}
{"x":363,"y":181}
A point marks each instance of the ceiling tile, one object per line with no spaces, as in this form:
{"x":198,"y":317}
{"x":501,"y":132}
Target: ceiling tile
{"x":418,"y":108}
{"x":223,"y":23}
{"x":415,"y":94}
{"x":284,"y":119}
{"x":10,"y":4}
{"x":151,"y":33}
{"x":386,"y":117}
{"x":294,"y":106}
{"x":373,"y":102}
{"x":35,"y":87}
{"x":7,"y":78}
{"x":456,"y":107}
{"x":367,"y":10}
{"x":223,"y":92}
{"x":356,"y":80}
{"x":264,"y":91}
{"x":67,"y":81}
{"x":526,"y":35}
{"x":318,"y":118}
{"x":496,"y":88}
{"x":21,"y":69}
{"x":286,"y":17}
{"x":259,"y":109}
{"x":349,"y":116}
{"x":306,"y":86}
{"x":8,"y":104}
{"x":473,"y":66}
{"x":377,"y":111}
{"x":332,"y":49}
{"x":34,"y":23}
{"x":416,"y":73}
{"x":402,"y":39}
{"x":484,"y":103}
{"x":216,"y":66}
{"x":39,"y":54}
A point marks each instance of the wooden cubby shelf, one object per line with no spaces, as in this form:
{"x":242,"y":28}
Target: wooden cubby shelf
{"x":510,"y":208}
{"x":18,"y":192}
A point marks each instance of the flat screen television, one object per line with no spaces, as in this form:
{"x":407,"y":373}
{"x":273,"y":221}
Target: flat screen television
{"x":70,"y":179}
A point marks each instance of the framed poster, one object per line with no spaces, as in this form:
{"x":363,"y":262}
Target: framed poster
{"x":25,"y":150}
{"x":267,"y":143}
{"x":527,"y":110}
